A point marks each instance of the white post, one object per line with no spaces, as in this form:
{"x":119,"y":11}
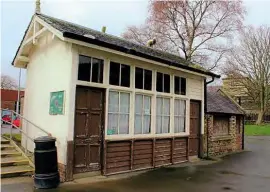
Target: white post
{"x":18,"y":96}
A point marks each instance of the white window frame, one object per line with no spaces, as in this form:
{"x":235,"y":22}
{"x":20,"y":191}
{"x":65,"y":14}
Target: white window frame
{"x":170,"y":77}
{"x":132,"y":91}
{"x":143,"y":78}
{"x":180,"y":77}
{"x":119,"y":113}
{"x":91,"y":69}
{"x":143,"y":114}
{"x":181,"y":116}
{"x":119,"y":83}
{"x":162,"y":115}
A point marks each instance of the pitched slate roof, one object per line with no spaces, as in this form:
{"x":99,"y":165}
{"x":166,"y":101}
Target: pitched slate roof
{"x":218,"y":102}
{"x":81,"y":33}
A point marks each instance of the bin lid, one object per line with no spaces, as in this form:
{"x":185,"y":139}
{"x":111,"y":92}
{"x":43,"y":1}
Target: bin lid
{"x":45,"y":139}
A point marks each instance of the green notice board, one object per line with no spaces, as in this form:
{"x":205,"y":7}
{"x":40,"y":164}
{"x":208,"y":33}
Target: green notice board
{"x":57,"y":103}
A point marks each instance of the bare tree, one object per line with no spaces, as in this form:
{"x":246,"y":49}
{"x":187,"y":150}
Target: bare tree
{"x":250,"y":63}
{"x":8,"y":82}
{"x":200,"y":31}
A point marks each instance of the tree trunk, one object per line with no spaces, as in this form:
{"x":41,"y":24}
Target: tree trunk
{"x":260,"y":118}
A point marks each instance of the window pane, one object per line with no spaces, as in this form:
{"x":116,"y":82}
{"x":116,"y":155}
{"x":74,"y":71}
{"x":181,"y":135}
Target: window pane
{"x":159,"y":106}
{"x":125,"y":75}
{"x":113,"y":101}
{"x":158,"y":124}
{"x":183,"y":86}
{"x":138,"y":124}
{"x":123,"y":124}
{"x":139,"y":104}
{"x":176,"y":85}
{"x":146,"y":124}
{"x":176,"y":124}
{"x":166,"y":83}
{"x":159,"y":82}
{"x":112,"y":124}
{"x":97,"y":70}
{"x":166,"y":124}
{"x":114,"y":73}
{"x":182,"y":108}
{"x":166,"y":106}
{"x":147,"y":105}
{"x":182,"y":124}
{"x":139,"y":78}
{"x":124,"y":102}
{"x":176,"y":106}
{"x":147,"y":79}
{"x":84,"y":68}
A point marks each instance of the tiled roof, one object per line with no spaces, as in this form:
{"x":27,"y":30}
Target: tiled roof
{"x":81,"y":33}
{"x":218,"y":102}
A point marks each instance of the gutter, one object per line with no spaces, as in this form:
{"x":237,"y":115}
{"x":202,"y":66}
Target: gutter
{"x":205,"y":111}
{"x":134,"y":52}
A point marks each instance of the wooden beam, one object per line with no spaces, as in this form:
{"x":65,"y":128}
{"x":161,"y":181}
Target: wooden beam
{"x":23,"y":59}
{"x":35,"y":36}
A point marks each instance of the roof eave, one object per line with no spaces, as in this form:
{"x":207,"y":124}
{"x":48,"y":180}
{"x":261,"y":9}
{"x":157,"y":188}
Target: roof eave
{"x":75,"y":36}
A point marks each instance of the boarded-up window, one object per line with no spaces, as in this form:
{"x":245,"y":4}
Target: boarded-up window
{"x":221,"y":125}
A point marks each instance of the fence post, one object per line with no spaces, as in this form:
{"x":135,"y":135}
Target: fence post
{"x":10,"y":134}
{"x":26,"y":138}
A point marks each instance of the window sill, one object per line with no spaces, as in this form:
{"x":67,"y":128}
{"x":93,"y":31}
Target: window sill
{"x":221,"y":138}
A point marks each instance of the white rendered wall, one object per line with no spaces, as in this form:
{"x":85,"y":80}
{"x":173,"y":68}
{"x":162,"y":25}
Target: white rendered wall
{"x":49,"y":70}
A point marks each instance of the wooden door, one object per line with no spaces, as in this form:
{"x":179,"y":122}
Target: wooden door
{"x":88,"y":133}
{"x":195,"y":124}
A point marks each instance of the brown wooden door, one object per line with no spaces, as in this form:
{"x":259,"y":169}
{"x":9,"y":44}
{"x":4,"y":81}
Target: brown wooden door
{"x":195,"y":118}
{"x":88,"y":135}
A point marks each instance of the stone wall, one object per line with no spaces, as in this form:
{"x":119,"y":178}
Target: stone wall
{"x":219,"y":145}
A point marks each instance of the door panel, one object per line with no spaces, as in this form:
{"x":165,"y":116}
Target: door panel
{"x":195,"y":118}
{"x":88,"y":137}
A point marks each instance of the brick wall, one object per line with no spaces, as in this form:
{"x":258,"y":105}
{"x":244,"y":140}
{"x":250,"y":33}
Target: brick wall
{"x":222,"y":144}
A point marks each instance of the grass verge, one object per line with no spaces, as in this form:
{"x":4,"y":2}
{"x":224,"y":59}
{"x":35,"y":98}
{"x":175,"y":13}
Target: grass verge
{"x":16,"y":137}
{"x":257,"y":130}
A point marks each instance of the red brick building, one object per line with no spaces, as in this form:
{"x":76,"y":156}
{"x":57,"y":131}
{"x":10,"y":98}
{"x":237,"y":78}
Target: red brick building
{"x":9,"y":98}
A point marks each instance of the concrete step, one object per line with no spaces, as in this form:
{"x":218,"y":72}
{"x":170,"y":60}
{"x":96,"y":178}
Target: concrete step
{"x":8,"y":153}
{"x":4,"y":141}
{"x":13,"y":171}
{"x":16,"y":160}
{"x":6,"y":146}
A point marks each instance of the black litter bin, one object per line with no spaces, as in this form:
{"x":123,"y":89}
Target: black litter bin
{"x":46,"y":168}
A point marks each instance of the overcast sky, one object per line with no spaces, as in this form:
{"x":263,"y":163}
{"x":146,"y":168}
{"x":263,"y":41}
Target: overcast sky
{"x":116,"y":15}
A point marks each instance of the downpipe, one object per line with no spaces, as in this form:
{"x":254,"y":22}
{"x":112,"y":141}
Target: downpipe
{"x":205,"y":112}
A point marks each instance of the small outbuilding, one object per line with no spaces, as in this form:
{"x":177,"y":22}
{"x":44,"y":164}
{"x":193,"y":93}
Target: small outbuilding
{"x":224,"y":124}
{"x":113,"y":106}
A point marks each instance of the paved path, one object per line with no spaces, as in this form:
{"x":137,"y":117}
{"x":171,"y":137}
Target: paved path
{"x":244,"y":172}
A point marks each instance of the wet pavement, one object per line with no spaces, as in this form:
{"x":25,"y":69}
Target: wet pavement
{"x":248,"y":171}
